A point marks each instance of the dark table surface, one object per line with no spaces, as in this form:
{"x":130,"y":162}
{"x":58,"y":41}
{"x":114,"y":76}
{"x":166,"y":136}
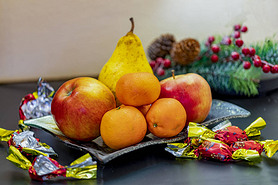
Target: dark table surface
{"x":150,"y":165}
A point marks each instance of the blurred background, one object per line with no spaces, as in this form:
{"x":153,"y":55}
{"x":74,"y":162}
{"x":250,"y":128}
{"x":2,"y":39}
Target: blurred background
{"x":68,"y":38}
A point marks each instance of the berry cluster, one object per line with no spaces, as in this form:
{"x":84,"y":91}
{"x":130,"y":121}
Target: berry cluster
{"x":243,"y":54}
{"x":159,"y":65}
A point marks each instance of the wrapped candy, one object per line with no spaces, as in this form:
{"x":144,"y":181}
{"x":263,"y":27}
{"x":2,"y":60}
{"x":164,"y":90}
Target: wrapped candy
{"x":213,"y":149}
{"x":249,"y":145}
{"x":226,"y":143}
{"x":45,"y":168}
{"x":231,"y":134}
{"x":26,"y":142}
{"x":24,"y":148}
{"x":37,"y":104}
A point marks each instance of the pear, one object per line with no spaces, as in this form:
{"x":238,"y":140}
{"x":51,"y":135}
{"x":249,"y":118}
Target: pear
{"x":128,"y":57}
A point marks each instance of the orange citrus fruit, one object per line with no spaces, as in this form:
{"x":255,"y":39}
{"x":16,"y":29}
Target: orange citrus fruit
{"x":144,"y":109}
{"x":122,"y":127}
{"x":166,"y":117}
{"x":138,"y":89}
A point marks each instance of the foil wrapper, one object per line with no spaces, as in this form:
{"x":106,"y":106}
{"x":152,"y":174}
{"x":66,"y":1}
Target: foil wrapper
{"x":17,"y":158}
{"x":28,"y":143}
{"x":183,"y":150}
{"x":214,"y":150}
{"x":45,"y":168}
{"x":270,"y":147}
{"x":5,"y":135}
{"x":226,"y":143}
{"x":26,"y":152}
{"x":37,"y":104}
{"x":254,"y":129}
{"x":248,"y":145}
{"x":247,"y":155}
{"x":231,"y":134}
{"x":196,"y":130}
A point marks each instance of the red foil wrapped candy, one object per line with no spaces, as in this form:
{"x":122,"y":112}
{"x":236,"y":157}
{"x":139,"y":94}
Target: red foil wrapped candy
{"x":231,"y":134}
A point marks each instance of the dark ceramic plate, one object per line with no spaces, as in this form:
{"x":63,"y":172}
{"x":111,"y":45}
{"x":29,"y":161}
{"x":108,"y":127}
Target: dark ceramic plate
{"x":220,"y":111}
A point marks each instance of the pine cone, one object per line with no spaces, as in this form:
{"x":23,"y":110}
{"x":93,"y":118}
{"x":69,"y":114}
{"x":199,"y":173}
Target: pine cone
{"x":185,"y":51}
{"x":161,"y":46}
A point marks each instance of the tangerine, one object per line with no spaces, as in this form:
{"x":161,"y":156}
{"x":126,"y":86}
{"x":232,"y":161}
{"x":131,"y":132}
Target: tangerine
{"x":166,"y":117}
{"x":144,"y":109}
{"x":122,"y":127}
{"x":138,"y":89}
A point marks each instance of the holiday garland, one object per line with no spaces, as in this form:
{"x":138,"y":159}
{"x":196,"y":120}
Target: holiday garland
{"x":225,"y":62}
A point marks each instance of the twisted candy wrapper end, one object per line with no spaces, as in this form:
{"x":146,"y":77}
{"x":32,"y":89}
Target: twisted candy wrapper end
{"x":270,"y":147}
{"x":248,"y":155}
{"x":82,"y":168}
{"x":181,"y":150}
{"x":197,"y":130}
{"x":16,"y":157}
{"x":5,"y":135}
{"x":253,"y":130}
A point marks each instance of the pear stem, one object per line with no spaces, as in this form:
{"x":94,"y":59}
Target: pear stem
{"x":173,"y":74}
{"x":132,"y":24}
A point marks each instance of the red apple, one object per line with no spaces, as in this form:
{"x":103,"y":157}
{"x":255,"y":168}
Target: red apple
{"x":193,"y":91}
{"x":78,"y":107}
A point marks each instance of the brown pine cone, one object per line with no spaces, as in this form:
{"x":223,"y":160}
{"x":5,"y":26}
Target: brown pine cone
{"x":185,"y":51}
{"x":161,"y":46}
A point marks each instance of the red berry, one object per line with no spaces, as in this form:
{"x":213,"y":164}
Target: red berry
{"x":266,"y":68}
{"x":211,"y":39}
{"x":239,"y":42}
{"x":152,"y":63}
{"x":246,"y":65}
{"x":226,"y":40}
{"x":236,"y":34}
{"x":237,"y":27}
{"x":244,"y":29}
{"x":159,"y":60}
{"x":160,"y":71}
{"x":252,"y":51}
{"x":274,"y":69}
{"x":257,"y":57}
{"x":257,"y":62}
{"x":167,"y":63}
{"x":245,"y":51}
{"x":215,"y":48}
{"x":235,"y":55}
{"x":214,"y":58}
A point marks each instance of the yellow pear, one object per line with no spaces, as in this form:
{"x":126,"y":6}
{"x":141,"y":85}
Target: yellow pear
{"x":128,"y":57}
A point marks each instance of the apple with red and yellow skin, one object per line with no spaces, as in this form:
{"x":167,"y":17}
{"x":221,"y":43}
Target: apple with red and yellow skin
{"x":78,"y":107}
{"x":192,"y":91}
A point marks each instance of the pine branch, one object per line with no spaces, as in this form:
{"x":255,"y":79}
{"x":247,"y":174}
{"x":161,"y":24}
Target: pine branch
{"x":228,"y":76}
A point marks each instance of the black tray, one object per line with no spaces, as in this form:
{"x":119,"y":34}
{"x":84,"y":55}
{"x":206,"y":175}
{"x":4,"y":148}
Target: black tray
{"x":220,"y":111}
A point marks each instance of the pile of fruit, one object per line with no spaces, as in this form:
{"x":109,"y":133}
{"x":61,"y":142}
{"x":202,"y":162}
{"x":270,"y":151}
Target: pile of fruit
{"x":128,"y":101}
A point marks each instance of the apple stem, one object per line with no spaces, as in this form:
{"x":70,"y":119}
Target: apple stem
{"x":132,"y":24}
{"x":69,"y":93}
{"x":173,"y":74}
